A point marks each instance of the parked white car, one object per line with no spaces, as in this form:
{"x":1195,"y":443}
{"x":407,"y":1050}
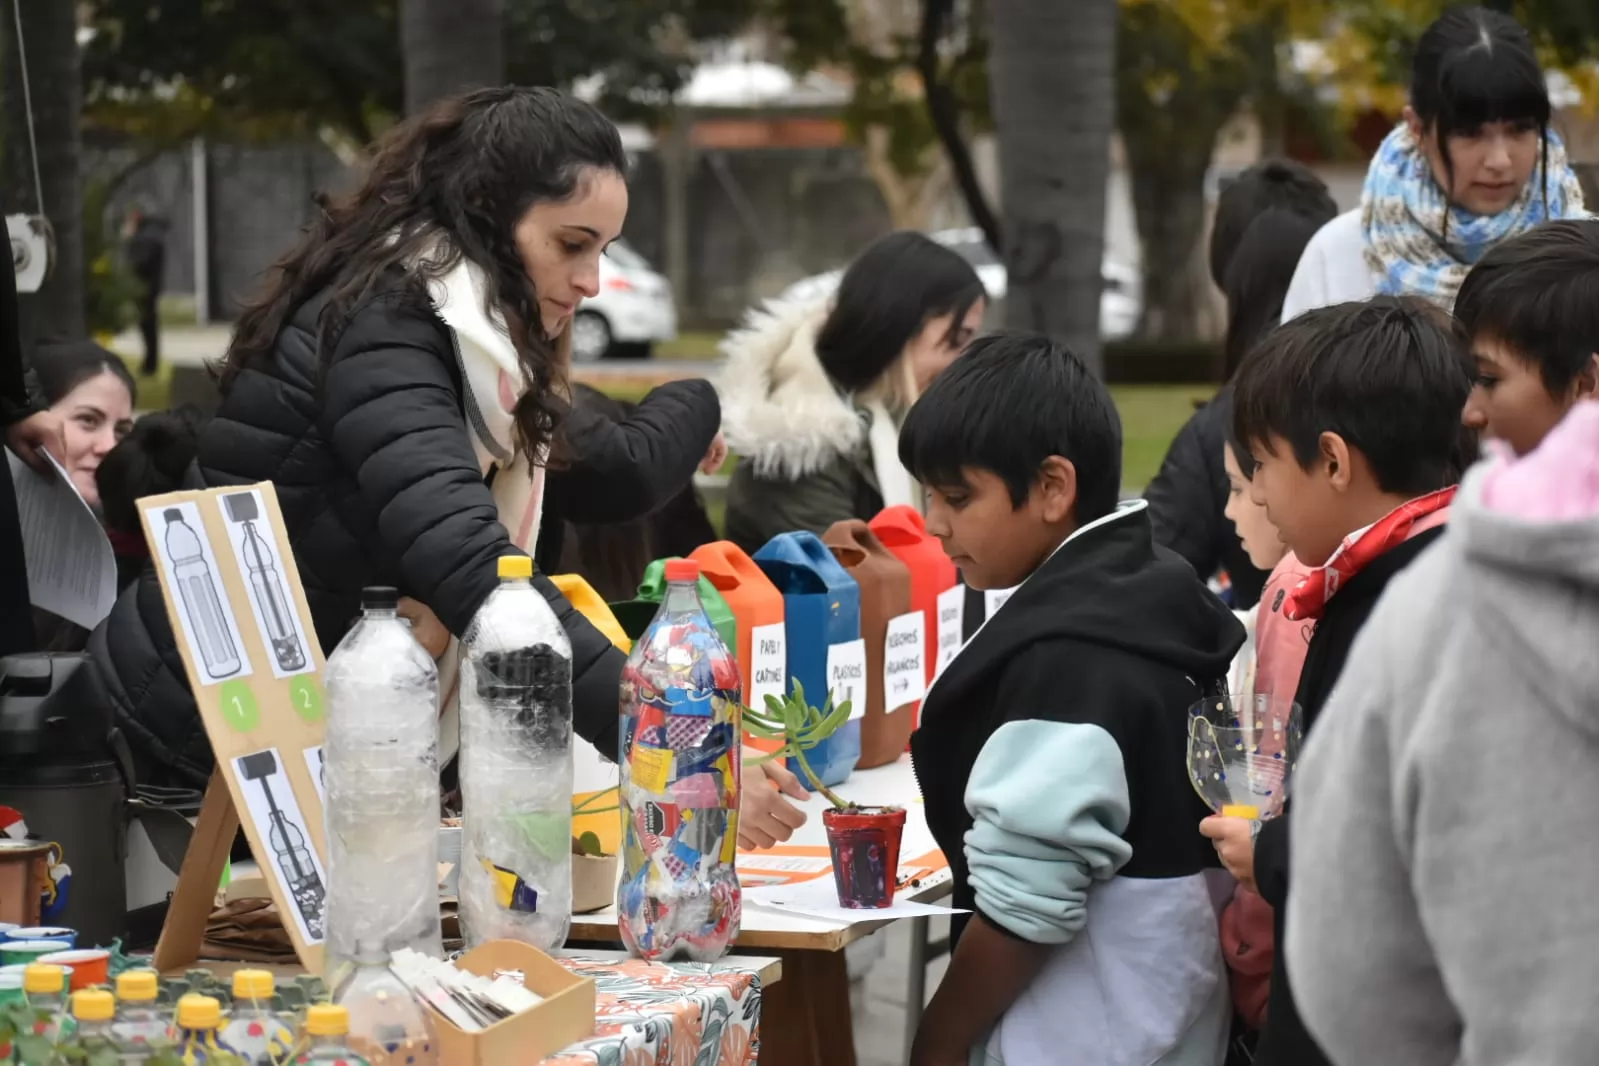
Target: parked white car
{"x":1119,"y":306}
{"x":634,"y":308}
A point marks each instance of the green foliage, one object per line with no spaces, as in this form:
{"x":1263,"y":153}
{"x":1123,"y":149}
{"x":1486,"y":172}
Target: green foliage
{"x":800,"y":727}
{"x":110,"y":289}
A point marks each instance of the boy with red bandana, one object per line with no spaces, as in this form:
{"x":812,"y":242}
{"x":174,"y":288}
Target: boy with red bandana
{"x":1352,"y":416}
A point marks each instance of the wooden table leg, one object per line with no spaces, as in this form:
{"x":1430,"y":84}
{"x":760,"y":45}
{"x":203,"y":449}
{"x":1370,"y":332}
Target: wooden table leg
{"x":805,"y":1017}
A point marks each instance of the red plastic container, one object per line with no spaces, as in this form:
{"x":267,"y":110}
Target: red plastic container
{"x":865,"y":846}
{"x":903,"y":532}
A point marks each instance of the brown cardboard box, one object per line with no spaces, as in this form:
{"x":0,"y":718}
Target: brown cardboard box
{"x":594,"y":882}
{"x":565,"y":1017}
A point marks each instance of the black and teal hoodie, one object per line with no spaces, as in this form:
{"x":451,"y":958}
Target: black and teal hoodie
{"x":1052,"y":759}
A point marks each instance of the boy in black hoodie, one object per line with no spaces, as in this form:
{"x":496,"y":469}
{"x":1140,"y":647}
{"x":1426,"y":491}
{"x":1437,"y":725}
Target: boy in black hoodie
{"x":1052,"y":751}
{"x":1352,"y":415}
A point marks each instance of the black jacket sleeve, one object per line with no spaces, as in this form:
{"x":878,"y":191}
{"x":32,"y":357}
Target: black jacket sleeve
{"x":392,"y":413}
{"x":623,"y":471}
{"x":1183,"y":506}
{"x":14,"y":402}
{"x":1271,"y":861}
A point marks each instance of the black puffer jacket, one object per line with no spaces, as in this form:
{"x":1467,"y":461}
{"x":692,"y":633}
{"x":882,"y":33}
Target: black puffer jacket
{"x":1187,"y":498}
{"x":622,"y":470}
{"x":379,"y":484}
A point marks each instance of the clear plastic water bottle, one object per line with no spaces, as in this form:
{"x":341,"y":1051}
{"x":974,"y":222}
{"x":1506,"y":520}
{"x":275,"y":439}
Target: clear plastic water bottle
{"x":386,"y":1023}
{"x":254,"y":1032}
{"x":139,"y":1020}
{"x":328,"y":1027}
{"x":381,"y":775}
{"x":516,"y":767}
{"x":93,"y":1010}
{"x":680,"y":754}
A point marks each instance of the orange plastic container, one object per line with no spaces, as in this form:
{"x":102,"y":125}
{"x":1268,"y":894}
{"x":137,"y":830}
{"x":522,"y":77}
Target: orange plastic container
{"x":749,"y":593}
{"x":885,"y":593}
{"x":903,"y":532}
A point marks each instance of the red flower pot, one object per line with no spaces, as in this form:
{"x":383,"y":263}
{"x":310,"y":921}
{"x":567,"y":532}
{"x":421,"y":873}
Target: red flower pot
{"x":865,"y":846}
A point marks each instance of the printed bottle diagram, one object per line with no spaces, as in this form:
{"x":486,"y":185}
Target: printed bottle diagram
{"x":288,"y":846}
{"x":266,"y":583}
{"x":202,"y":605}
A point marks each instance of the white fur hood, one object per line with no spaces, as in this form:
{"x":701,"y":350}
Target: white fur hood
{"x":780,"y":411}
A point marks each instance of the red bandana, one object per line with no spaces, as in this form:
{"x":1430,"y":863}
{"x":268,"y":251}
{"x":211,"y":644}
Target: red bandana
{"x":1310,"y":596}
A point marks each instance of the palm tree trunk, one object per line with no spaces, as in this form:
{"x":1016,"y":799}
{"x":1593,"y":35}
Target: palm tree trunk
{"x":1051,"y":75}
{"x":450,"y":45}
{"x":49,"y":37}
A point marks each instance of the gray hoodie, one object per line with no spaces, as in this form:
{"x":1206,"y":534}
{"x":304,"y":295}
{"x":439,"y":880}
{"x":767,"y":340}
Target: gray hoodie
{"x":1446,"y":811}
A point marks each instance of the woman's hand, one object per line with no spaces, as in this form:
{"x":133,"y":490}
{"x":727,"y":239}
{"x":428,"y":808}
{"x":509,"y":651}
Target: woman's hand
{"x":765,"y":817}
{"x":1235,"y":843}
{"x":425,"y":626}
{"x":47,"y":430}
{"x":716,"y":456}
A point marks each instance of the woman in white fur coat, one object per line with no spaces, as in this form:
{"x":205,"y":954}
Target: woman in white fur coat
{"x":813,"y":391}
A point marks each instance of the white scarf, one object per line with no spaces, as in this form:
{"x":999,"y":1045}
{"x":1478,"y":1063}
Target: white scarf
{"x":493,"y":381}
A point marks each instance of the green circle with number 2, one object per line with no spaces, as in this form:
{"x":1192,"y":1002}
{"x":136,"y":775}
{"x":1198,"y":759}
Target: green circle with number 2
{"x":307,"y":699}
{"x":238,"y":706}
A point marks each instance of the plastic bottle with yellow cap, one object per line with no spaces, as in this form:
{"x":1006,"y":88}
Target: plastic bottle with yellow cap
{"x":93,"y":1010}
{"x":44,"y":990}
{"x":516,"y":767}
{"x":199,"y":1018}
{"x":139,"y":1020}
{"x":328,"y":1027}
{"x":253,"y":1031}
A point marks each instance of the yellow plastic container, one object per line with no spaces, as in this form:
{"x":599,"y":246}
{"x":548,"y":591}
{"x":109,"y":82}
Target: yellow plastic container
{"x":593,"y":778}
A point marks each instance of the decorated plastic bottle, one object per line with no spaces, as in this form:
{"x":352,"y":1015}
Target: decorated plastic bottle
{"x":680,"y":756}
{"x":199,"y":1018}
{"x":254,"y":1031}
{"x":93,"y":1010}
{"x":516,"y":767}
{"x":328,"y":1027}
{"x":139,"y":1020}
{"x":386,"y":1022}
{"x":381,"y":775}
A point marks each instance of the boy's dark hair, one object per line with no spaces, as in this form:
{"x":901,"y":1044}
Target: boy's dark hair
{"x":152,"y":459}
{"x":1538,"y":294}
{"x":1008,"y":403}
{"x":1270,"y":184}
{"x":1389,"y":376}
{"x":886,"y":296}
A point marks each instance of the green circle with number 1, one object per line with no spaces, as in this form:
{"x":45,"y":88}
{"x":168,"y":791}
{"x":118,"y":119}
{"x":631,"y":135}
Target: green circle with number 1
{"x":238,"y":706}
{"x":307,"y":698}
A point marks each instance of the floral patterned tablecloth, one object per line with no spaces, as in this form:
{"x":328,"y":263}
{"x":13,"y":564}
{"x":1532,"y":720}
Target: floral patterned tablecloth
{"x":668,"y":1014}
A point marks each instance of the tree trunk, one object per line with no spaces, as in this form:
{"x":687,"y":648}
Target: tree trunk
{"x":1168,"y":187}
{"x":448,"y":46}
{"x":1052,"y":79}
{"x":49,"y":37}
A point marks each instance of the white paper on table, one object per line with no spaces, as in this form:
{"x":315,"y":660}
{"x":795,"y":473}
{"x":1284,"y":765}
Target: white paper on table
{"x":72,"y":571}
{"x":951,"y":620}
{"x":768,"y":663}
{"x":904,"y":662}
{"x":846,"y":675}
{"x":819,"y":899}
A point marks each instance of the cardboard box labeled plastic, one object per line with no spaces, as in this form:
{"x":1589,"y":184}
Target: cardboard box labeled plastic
{"x":565,"y":1017}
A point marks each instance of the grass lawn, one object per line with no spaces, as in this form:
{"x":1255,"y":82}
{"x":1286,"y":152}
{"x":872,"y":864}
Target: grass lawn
{"x":155,"y":393}
{"x":1151,"y":417}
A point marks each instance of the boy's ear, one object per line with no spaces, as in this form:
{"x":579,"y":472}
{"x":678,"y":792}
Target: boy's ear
{"x":1056,"y":486}
{"x":1335,"y":461}
{"x":1586,"y":385}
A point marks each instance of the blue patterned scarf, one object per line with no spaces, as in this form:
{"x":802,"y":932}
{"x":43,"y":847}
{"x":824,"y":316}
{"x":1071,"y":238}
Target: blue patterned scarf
{"x":1402,"y":216}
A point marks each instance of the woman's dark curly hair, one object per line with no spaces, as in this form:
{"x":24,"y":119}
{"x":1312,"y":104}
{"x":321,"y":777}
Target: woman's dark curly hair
{"x":449,"y":183}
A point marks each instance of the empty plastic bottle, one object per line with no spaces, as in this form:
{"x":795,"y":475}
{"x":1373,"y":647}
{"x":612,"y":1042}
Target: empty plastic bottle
{"x":254,"y":1032}
{"x":328,"y":1026}
{"x":381,"y":776}
{"x":93,"y":1010}
{"x":681,"y":768}
{"x":516,"y":767}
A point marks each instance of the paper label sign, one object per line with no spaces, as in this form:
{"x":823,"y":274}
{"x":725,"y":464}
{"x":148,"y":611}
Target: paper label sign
{"x":846,"y":675}
{"x":951,"y":622}
{"x":904,"y":669}
{"x":768,"y":664}
{"x":994,"y":599}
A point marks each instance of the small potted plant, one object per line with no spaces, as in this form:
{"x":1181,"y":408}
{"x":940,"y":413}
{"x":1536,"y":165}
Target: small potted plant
{"x":864,"y":840}
{"x":593,"y":871}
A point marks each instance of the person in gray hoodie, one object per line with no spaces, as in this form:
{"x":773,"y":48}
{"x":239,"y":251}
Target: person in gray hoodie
{"x":1444,"y":908}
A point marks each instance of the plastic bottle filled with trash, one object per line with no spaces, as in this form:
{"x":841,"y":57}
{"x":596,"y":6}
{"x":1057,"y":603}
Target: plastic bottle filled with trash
{"x":386,"y":1022}
{"x":254,"y":1032}
{"x":680,"y":756}
{"x":516,"y":767}
{"x":381,"y":776}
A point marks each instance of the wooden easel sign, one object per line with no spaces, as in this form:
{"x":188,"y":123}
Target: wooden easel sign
{"x":252,"y":658}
